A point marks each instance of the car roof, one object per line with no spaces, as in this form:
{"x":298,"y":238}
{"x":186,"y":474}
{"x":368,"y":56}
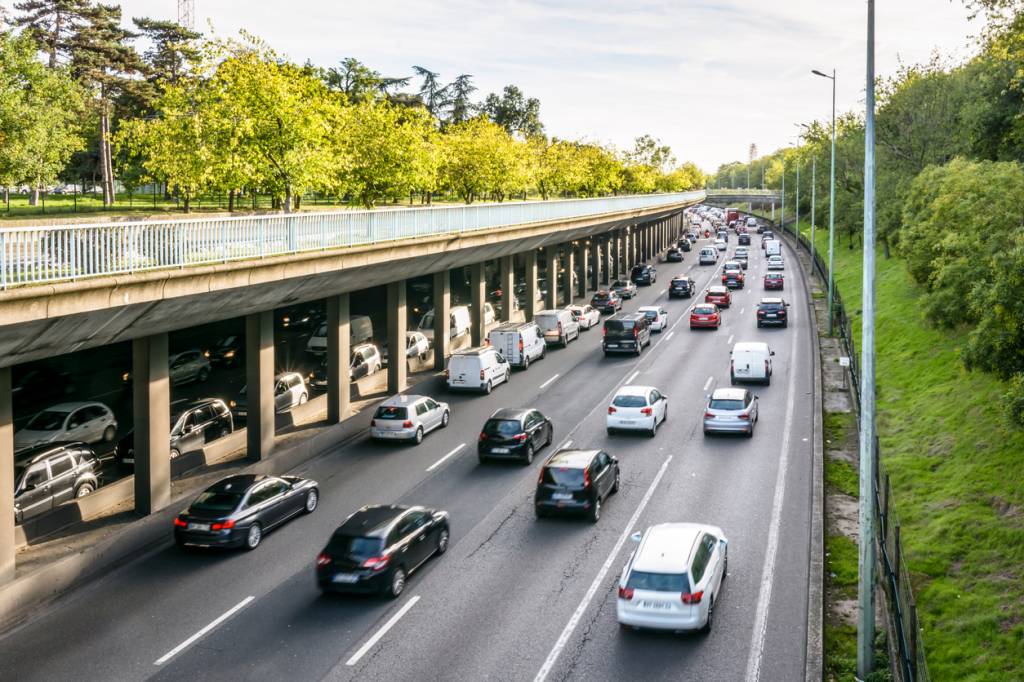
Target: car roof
{"x":282,"y":375}
{"x":705,"y":305}
{"x":516,"y":413}
{"x":69,"y":407}
{"x":401,"y":400}
{"x":239,"y":483}
{"x":549,"y":311}
{"x":635,"y":390}
{"x":667,"y":548}
{"x":372,"y":520}
{"x":680,"y":277}
{"x":729,"y":394}
{"x":37,"y":453}
{"x":655,"y":308}
{"x":571,"y":459}
{"x":718,"y":289}
{"x":750,"y":345}
{"x":770,"y":299}
{"x":617,"y":317}
{"x":363,"y":346}
{"x":475,"y":352}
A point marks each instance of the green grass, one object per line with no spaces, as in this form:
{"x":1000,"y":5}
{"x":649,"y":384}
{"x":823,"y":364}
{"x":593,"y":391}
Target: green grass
{"x":841,"y":475}
{"x":841,"y":564}
{"x":955,"y":466}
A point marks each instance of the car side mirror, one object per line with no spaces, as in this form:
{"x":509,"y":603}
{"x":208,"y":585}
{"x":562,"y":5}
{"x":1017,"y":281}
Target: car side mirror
{"x":724,"y":542}
{"x":636,"y":537}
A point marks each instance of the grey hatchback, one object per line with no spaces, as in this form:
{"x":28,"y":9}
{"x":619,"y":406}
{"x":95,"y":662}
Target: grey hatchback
{"x":731,"y":410}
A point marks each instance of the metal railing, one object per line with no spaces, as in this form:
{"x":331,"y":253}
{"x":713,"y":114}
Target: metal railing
{"x":34,"y":255}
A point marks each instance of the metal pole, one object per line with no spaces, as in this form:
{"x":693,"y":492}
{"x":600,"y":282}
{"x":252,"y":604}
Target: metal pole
{"x":832,"y":208}
{"x":866,"y":585}
{"x":814,"y":164}
{"x":782,"y":219}
{"x":796,"y":225}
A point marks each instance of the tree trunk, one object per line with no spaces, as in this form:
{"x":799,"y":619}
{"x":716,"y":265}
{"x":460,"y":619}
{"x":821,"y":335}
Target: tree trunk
{"x":288,"y":199}
{"x":298,"y":201}
{"x":33,"y":199}
{"x":186,"y":206}
{"x":231,"y":201}
{"x":885,"y":249}
{"x":105,"y":158}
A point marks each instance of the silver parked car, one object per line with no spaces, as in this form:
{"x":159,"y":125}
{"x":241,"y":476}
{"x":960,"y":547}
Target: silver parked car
{"x":190,"y":365}
{"x":408,"y":418}
{"x":88,"y":422}
{"x":731,"y":410}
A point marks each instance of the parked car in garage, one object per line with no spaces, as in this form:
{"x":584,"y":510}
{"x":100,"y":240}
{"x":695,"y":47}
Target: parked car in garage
{"x":416,"y":346}
{"x":194,"y":424}
{"x":50,"y":474}
{"x":88,"y":422}
{"x":289,"y":391}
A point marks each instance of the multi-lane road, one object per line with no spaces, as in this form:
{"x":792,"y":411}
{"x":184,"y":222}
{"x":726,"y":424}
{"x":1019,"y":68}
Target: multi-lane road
{"x":514,"y":598}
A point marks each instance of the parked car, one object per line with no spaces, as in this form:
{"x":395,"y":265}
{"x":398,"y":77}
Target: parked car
{"x":228,"y":351}
{"x":643,"y":275}
{"x":194,"y":423}
{"x":364,"y":360}
{"x":772,"y":311}
{"x":416,"y":346}
{"x":299,"y":317}
{"x":289,"y":391}
{"x":585,"y":315}
{"x":776,"y":263}
{"x":88,"y":422}
{"x":514,"y":433}
{"x":656,"y":315}
{"x":626,"y":333}
{"x":576,"y":482}
{"x":50,"y":474}
{"x":731,"y":410}
{"x":189,"y":365}
{"x":751,"y":361}
{"x":720,"y":296}
{"x":360,"y":330}
{"x":408,"y":418}
{"x":459,"y":323}
{"x":558,"y":326}
{"x":624,"y":288}
{"x":378,"y":547}
{"x":606,"y":301}
{"x":681,"y":286}
{"x":705,"y":316}
{"x":637,"y":408}
{"x":673,"y":578}
{"x":520,"y":342}
{"x":238,"y":511}
{"x":708,"y":255}
{"x":774,"y":280}
{"x":477,"y":369}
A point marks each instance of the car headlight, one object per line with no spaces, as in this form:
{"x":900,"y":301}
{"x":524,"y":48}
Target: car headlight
{"x":232,"y":404}
{"x":229,"y":354}
{"x":126,"y":376}
{"x":206,"y":354}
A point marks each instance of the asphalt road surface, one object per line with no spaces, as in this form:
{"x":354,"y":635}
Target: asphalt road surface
{"x":514,"y":598}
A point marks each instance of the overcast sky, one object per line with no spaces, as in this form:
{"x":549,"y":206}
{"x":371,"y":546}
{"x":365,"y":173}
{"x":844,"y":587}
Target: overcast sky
{"x":706,"y":76}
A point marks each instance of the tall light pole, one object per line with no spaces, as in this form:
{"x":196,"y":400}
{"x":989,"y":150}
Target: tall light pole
{"x":866,"y":584}
{"x":796,"y":225}
{"x":814,"y":165}
{"x":832,"y":194}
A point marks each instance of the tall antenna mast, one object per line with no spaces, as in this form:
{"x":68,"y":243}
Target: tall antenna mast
{"x":187,"y":13}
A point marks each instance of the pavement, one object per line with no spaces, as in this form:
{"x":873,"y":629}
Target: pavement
{"x":514,"y":598}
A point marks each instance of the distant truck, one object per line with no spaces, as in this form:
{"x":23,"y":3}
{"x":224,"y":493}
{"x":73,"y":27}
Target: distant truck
{"x":731,"y":214}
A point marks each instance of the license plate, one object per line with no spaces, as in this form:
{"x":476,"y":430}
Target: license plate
{"x":613,"y":345}
{"x":771,"y":315}
{"x":500,"y":451}
{"x":626,"y":421}
{"x":199,"y":526}
{"x":347,"y":578}
{"x":561,"y":496}
{"x":241,"y":413}
{"x":128,"y":460}
{"x":657,"y":605}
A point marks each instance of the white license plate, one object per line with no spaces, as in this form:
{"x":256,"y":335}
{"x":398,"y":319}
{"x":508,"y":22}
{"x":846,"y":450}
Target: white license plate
{"x":771,"y":315}
{"x":241,"y":413}
{"x":347,"y":578}
{"x":613,"y":345}
{"x":626,"y":421}
{"x":656,"y":605}
{"x":561,"y":496}
{"x":500,"y":451}
{"x":199,"y":526}
{"x":128,"y":460}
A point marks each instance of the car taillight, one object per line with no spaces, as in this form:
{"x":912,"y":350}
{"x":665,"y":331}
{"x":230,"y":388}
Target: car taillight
{"x":766,"y":368}
{"x":648,"y":411}
{"x":611,"y":410}
{"x":744,"y":416}
{"x":226,"y":525}
{"x":179,"y":522}
{"x":481,"y":375}
{"x":323,"y":559}
{"x":709,"y":415}
{"x":604,"y":331}
{"x":376,"y":563}
{"x":559,"y":327}
{"x":519,"y":438}
{"x":626,"y":593}
{"x":483,"y":436}
{"x":636,"y":331}
{"x":408,"y":424}
{"x":760,"y":313}
{"x":586,"y":478}
{"x":520,"y":345}
{"x":446,"y":373}
{"x":373,"y":422}
{"x":540,"y":477}
{"x":692,"y":597}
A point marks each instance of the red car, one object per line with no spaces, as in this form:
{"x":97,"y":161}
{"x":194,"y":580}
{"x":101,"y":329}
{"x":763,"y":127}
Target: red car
{"x":705,"y":316}
{"x":720,"y":296}
{"x":774,"y":280}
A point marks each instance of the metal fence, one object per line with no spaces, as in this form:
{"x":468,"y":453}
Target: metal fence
{"x":32,"y":255}
{"x":902,"y":607}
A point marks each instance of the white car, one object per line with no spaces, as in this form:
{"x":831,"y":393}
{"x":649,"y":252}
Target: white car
{"x":637,"y":408}
{"x":416,"y":345}
{"x":289,"y":390}
{"x":657,"y":315}
{"x":673,"y":578}
{"x":720,"y":244}
{"x":586,"y":315}
{"x":408,"y":418}
{"x":477,"y":369}
{"x":776,"y":263}
{"x":87,"y":422}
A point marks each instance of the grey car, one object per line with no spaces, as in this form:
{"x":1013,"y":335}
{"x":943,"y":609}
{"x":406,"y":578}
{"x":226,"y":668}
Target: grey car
{"x":408,"y":418}
{"x":47,"y":475}
{"x":731,"y":410}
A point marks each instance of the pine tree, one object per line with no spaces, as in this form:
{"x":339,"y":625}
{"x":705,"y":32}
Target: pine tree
{"x":53,"y":24}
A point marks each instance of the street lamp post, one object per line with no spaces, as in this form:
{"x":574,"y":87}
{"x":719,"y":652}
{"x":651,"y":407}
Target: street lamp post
{"x":814,"y":164}
{"x":832,"y":196}
{"x":796,"y":225}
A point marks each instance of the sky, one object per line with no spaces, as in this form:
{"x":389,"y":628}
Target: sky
{"x":708,"y":77}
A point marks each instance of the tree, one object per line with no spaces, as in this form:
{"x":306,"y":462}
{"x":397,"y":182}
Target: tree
{"x":649,"y":151}
{"x":173,"y":52}
{"x":433,"y":95}
{"x":514,"y":112}
{"x":559,"y":166}
{"x":461,"y":107}
{"x":359,"y":82}
{"x":53,"y":25}
{"x":478,"y":158}
{"x":603,"y":171}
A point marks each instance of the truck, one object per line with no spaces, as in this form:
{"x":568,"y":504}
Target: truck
{"x":731,"y":215}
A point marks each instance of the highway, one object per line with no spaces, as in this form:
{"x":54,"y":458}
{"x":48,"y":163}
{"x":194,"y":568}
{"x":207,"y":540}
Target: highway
{"x":514,"y":598}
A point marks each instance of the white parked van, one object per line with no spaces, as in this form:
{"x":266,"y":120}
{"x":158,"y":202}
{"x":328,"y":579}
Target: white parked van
{"x":477,"y":369}
{"x":458,"y":323}
{"x":559,"y":326}
{"x":773,"y":247}
{"x":751,"y":361}
{"x":520,"y":342}
{"x":360,"y":330}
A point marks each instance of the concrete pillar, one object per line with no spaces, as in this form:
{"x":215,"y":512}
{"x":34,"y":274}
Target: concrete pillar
{"x":595,"y":260}
{"x":259,"y":379}
{"x":621,"y":242}
{"x":608,"y":243}
{"x":569,"y":256}
{"x":645,"y":243}
{"x":339,"y":357}
{"x":508,"y":285}
{"x":476,"y":308}
{"x":151,"y":407}
{"x":442,"y":317}
{"x":7,"y":536}
{"x":531,"y":284}
{"x":582,"y":265}
{"x":397,"y":318}
{"x":551,"y":259}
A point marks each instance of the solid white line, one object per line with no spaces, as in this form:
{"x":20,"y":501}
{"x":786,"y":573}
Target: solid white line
{"x":730,"y":338}
{"x":383,"y":631}
{"x":708,"y":383}
{"x":188,"y":642}
{"x":741,"y":310}
{"x":442,"y":460}
{"x":662,"y":291}
{"x":563,"y":639}
{"x":764,"y":596}
{"x":632,"y":376}
{"x":546,"y":383}
{"x":566,"y":445}
{"x":670,"y":334}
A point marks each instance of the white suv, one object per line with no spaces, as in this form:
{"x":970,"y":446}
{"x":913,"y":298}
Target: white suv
{"x":673,"y":578}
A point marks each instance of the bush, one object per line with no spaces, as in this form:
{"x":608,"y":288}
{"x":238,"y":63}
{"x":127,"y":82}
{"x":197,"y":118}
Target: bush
{"x":1014,"y":399}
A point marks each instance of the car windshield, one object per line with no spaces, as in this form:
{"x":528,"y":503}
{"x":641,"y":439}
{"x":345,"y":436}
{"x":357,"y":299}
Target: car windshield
{"x":724,"y":404}
{"x":47,"y":420}
{"x":216,"y":501}
{"x":427,"y":321}
{"x":502,"y":427}
{"x":629,"y":401}
{"x":229,"y":341}
{"x":391,"y":412}
{"x":713,"y":291}
{"x":679,"y":282}
{"x":347,"y":545}
{"x":564,"y":476}
{"x":658,"y":582}
{"x":618,"y":327}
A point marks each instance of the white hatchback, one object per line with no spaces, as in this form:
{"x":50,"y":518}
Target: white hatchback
{"x":776,"y":263}
{"x":586,"y":315}
{"x":637,"y":408}
{"x":657,"y":315}
{"x":720,"y":244}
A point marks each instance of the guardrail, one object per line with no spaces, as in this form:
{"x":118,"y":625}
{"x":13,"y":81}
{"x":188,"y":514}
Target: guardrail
{"x":34,"y":255}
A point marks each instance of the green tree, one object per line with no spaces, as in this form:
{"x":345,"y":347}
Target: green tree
{"x":476,"y":156}
{"x":461,"y":106}
{"x":603,"y":171}
{"x":433,"y":95}
{"x":358,"y":82}
{"x":514,"y":112}
{"x":173,"y":53}
{"x":54,"y":25}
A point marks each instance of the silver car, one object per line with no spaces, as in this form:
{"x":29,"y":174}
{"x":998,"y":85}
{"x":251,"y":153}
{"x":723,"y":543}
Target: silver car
{"x":88,"y":422}
{"x":731,"y":410}
{"x":190,"y":365}
{"x":408,"y":418}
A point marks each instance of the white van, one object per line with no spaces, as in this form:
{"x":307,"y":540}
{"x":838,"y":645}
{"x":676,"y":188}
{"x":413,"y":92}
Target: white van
{"x":458,"y":323}
{"x":708,"y":255}
{"x":477,"y":369}
{"x":773,"y":247}
{"x":751,"y":361}
{"x":520,"y":342}
{"x":559,"y":326}
{"x":360,"y":330}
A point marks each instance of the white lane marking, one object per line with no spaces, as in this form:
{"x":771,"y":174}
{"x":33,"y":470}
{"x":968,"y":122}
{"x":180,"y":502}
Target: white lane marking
{"x":662,"y":292}
{"x":708,"y":383}
{"x":764,"y":597}
{"x":670,"y":334}
{"x":383,"y":631}
{"x":563,"y":639}
{"x":730,"y":339}
{"x":632,"y":376}
{"x":741,"y":310}
{"x":191,"y":640}
{"x":443,"y":459}
{"x":565,"y":445}
{"x":548,"y":382}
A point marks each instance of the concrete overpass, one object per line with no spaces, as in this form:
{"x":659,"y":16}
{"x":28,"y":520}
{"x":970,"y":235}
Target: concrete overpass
{"x":67,"y":288}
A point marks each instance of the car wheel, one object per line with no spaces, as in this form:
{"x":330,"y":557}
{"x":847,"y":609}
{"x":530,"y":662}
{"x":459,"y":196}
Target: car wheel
{"x":750,"y":433}
{"x":174,"y":453}
{"x":595,"y":510}
{"x":203,"y":374}
{"x":654,"y":428}
{"x":541,"y":513}
{"x":487,"y":388}
{"x":543,"y":351}
{"x":528,"y":459}
{"x":758,"y":325}
{"x":83,"y":490}
{"x":444,"y":419}
{"x":526,"y":362}
{"x":768,"y":380}
{"x":732,"y":380}
{"x":551,"y":435}
{"x":418,"y":438}
{"x":253,"y":537}
{"x":312,"y":500}
{"x":565,"y":341}
{"x":397,"y":583}
{"x":303,"y":398}
{"x":708,"y":623}
{"x":442,"y":541}
{"x":615,"y":485}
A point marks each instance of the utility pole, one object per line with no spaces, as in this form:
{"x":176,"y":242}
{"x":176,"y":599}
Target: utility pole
{"x":814,"y":164}
{"x":782,"y":220}
{"x":796,"y":225}
{"x":866,"y":584}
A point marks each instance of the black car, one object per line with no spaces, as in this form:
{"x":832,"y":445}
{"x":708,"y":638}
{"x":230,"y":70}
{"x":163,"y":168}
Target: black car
{"x":194,"y":423}
{"x":760,"y":228}
{"x":683,"y":244}
{"x":643,"y":275}
{"x":47,"y":475}
{"x":238,"y":510}
{"x":681,"y":287}
{"x":576,"y":482}
{"x":626,"y":333}
{"x":674,"y":256}
{"x":606,"y":301}
{"x":377,"y":548}
{"x":772,"y":311}
{"x":744,"y":239}
{"x":514,"y":433}
{"x":228,"y":351}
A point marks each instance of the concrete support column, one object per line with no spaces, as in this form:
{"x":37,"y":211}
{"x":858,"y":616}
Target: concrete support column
{"x":582,"y":265}
{"x":476,"y":308}
{"x":531,"y":284}
{"x":7,"y":536}
{"x":151,"y":407}
{"x":442,"y":317}
{"x":259,"y":379}
{"x":397,"y":318}
{"x":645,"y":244}
{"x":608,"y":243}
{"x":339,"y":357}
{"x":595,"y":260}
{"x":621,"y":244}
{"x":568,"y":255}
{"x":508,"y":285}
{"x":551,"y":260}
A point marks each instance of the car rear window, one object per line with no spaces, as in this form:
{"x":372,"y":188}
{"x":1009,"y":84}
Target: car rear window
{"x":658,"y":582}
{"x":618,"y":327}
{"x":629,"y":401}
{"x":216,"y":502}
{"x":619,"y":283}
{"x":722,"y":404}
{"x":391,"y":412}
{"x":704,"y":310}
{"x":771,"y":306}
{"x":502,"y":427}
{"x":347,"y":545}
{"x":600,"y":297}
{"x":651,"y":313}
{"x":563,"y":476}
{"x":546,"y":321}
